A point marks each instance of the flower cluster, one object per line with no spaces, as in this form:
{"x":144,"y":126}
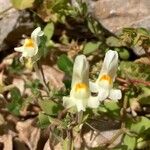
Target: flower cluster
{"x":81,"y":88}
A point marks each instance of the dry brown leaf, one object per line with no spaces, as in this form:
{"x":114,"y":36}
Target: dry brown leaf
{"x":53,"y":76}
{"x":28,"y":133}
{"x":7,"y":142}
{"x":143,"y":60}
{"x":94,"y":139}
{"x":20,"y":84}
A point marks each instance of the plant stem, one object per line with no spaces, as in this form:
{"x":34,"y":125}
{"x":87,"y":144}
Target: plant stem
{"x":133,"y":81}
{"x":40,"y":75}
{"x":8,"y":87}
{"x":80,"y":117}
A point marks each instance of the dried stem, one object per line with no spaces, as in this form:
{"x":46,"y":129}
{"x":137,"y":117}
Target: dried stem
{"x":134,"y":81}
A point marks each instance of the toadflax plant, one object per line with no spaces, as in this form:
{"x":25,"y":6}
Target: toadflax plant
{"x":29,"y":51}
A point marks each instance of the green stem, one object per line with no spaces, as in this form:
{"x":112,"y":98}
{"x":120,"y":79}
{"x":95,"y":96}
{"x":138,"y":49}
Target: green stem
{"x":7,"y":88}
{"x":80,"y":117}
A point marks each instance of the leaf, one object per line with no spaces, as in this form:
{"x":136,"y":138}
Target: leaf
{"x":144,"y":96}
{"x":16,"y":104}
{"x":130,"y":142}
{"x":22,"y":4}
{"x":43,"y":50}
{"x":49,"y":30}
{"x":50,"y":107}
{"x":123,"y":53}
{"x":43,"y":120}
{"x":112,"y":108}
{"x":113,"y":42}
{"x":65,"y":64}
{"x":90,"y":47}
{"x":139,"y":126}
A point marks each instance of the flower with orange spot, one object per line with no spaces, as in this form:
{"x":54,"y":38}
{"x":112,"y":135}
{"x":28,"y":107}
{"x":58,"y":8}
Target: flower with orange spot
{"x":30,"y":45}
{"x":104,"y":84}
{"x":80,"y":95}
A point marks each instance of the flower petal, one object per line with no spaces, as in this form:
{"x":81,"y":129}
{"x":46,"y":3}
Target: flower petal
{"x":79,"y":104}
{"x":93,"y":87}
{"x":80,"y":71}
{"x":68,"y":102}
{"x":19,"y":49}
{"x":35,"y":35}
{"x":115,"y":94}
{"x":110,"y":64}
{"x":103,"y":94}
{"x":93,"y":102}
{"x":37,"y":32}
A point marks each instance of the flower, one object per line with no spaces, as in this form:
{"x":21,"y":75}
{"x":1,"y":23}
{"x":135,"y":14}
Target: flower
{"x":104,"y":84}
{"x":80,"y":95}
{"x":30,"y":46}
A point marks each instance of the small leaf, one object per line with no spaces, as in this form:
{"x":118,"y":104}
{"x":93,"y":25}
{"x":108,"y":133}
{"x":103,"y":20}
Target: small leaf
{"x":43,"y":121}
{"x":112,"y":108}
{"x":123,"y":53}
{"x":16,"y":102}
{"x":130,"y":142}
{"x":49,"y":30}
{"x":113,"y":42}
{"x":43,"y":50}
{"x":50,"y":107}
{"x":65,"y":64}
{"x":90,"y":47}
{"x":139,"y":126}
{"x":22,"y":4}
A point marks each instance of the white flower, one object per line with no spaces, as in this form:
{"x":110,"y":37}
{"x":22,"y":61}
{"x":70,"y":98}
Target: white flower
{"x":80,"y":95}
{"x":30,"y":46}
{"x":104,"y":84}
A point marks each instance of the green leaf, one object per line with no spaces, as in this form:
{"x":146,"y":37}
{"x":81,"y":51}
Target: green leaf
{"x":91,"y":47}
{"x":112,"y":108}
{"x":43,"y":120}
{"x":49,"y":30}
{"x":130,"y":142}
{"x":22,"y":4}
{"x":144,"y":96}
{"x":43,"y":50}
{"x":139,"y":126}
{"x":16,"y":102}
{"x":113,"y":42}
{"x":123,"y":53}
{"x":50,"y":107}
{"x":65,"y":64}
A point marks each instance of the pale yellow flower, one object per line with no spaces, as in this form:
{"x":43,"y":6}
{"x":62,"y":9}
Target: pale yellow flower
{"x":30,"y":45}
{"x":104,"y":84}
{"x":80,"y":95}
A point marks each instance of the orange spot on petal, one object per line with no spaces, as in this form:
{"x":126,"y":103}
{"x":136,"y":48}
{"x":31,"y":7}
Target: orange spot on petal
{"x":80,"y":86}
{"x":29,"y":43}
{"x":106,"y":78}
